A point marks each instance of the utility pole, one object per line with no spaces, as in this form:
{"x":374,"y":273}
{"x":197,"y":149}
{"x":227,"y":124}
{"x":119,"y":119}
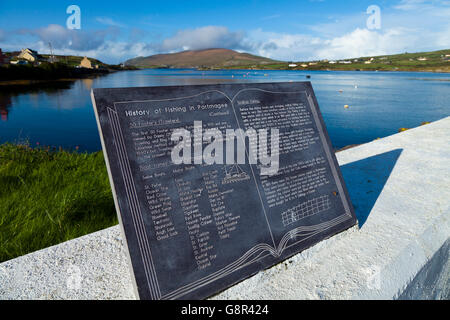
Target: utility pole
{"x":52,"y":57}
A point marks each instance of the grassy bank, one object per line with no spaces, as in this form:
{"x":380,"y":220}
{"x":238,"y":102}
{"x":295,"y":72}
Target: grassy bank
{"x":47,"y":71}
{"x":50,"y":196}
{"x":435,"y":61}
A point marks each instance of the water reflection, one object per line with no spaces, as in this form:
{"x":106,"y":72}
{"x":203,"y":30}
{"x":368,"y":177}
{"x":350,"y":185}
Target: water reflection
{"x":60,"y":113}
{"x":87,"y":83}
{"x":5,"y":105}
{"x":32,"y":89}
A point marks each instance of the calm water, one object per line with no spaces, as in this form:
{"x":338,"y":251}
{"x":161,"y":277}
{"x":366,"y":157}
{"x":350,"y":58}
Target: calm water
{"x":380,"y":103}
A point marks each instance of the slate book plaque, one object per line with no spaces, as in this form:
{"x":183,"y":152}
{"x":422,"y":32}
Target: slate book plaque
{"x":193,"y":230}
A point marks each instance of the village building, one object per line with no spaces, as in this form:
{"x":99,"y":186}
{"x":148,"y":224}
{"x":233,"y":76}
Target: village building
{"x":422,"y":59}
{"x":19,"y":62}
{"x":29,"y":55}
{"x":304,"y":65}
{"x":3,"y":59}
{"x":292,"y":65}
{"x":52,"y":59}
{"x":86,"y":63}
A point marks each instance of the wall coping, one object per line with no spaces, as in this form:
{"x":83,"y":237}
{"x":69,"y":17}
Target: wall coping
{"x":399,"y":186}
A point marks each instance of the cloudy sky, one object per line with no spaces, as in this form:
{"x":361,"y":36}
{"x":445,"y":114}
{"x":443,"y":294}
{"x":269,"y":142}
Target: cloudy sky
{"x":114,"y":31}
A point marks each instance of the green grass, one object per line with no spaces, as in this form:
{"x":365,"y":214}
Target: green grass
{"x":50,"y":196}
{"x":46,"y":71}
{"x":74,"y":61}
{"x":436,"y":62}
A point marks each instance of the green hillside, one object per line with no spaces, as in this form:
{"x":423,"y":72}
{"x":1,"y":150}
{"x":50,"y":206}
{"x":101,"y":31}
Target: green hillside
{"x":436,"y":61}
{"x":73,"y":61}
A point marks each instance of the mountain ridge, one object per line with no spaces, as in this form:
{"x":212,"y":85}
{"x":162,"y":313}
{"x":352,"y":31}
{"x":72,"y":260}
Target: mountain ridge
{"x":201,"y":59}
{"x":216,"y":58}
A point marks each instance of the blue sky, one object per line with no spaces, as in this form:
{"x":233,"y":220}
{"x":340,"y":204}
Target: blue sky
{"x":114,"y":31}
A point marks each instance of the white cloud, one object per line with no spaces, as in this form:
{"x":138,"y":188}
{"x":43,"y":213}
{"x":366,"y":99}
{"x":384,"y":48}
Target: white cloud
{"x":271,"y":17}
{"x":357,"y":43}
{"x":418,"y":4}
{"x":63,"y":38}
{"x":109,"y":22}
{"x":443,"y":38}
{"x":203,"y":38}
{"x":411,"y":25}
{"x":100,"y":44}
{"x":109,"y":51}
{"x":283,"y":46}
{"x":364,"y":42}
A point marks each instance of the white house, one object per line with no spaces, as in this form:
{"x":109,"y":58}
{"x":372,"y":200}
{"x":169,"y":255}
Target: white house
{"x":29,"y":55}
{"x":86,"y":63}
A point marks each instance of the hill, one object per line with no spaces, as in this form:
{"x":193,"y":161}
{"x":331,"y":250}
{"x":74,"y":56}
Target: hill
{"x":60,"y":67}
{"x":74,"y":61}
{"x":435,"y":61}
{"x":66,"y":60}
{"x":200,"y":59}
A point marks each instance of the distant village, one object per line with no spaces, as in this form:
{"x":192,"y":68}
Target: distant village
{"x":78,"y":68}
{"x":31,"y":57}
{"x":382,"y":60}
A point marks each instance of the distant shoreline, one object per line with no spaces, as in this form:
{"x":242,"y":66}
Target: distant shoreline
{"x":27,"y":75}
{"x":222,"y":59}
{"x":304,"y":70}
{"x":435,"y":70}
{"x":17,"y":83}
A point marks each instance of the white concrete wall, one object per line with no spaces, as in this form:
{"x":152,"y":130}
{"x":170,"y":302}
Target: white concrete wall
{"x":433,"y":280}
{"x":400,"y":188}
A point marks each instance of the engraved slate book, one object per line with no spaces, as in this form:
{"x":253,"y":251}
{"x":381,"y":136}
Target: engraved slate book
{"x":194,"y":228}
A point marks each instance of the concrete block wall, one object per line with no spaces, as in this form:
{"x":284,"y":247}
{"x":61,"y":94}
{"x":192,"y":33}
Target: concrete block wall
{"x":400,"y":188}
